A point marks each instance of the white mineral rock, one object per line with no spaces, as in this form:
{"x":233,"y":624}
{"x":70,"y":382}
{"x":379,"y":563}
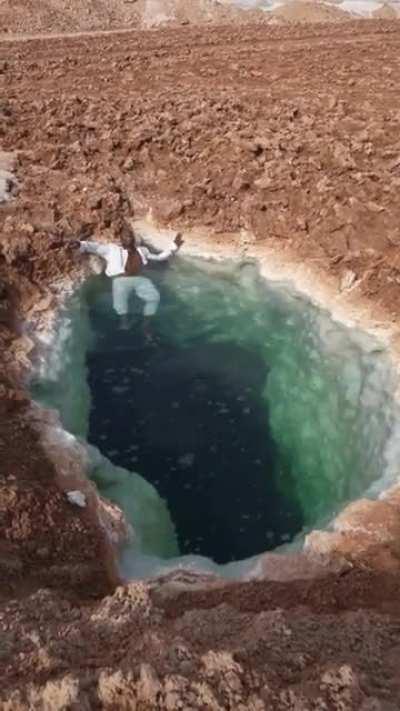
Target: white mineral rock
{"x":76,"y":497}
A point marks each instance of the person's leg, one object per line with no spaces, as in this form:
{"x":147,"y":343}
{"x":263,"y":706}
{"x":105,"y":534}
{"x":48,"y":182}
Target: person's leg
{"x":122,"y":288}
{"x":148,"y":293}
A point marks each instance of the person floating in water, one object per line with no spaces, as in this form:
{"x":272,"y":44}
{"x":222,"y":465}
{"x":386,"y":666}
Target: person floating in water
{"x":124,"y":266}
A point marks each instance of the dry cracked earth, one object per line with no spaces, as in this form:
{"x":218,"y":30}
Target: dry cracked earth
{"x":292,"y":133}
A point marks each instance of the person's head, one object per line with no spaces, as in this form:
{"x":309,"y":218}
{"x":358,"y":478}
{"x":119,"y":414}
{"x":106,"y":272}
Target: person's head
{"x":128,"y":239}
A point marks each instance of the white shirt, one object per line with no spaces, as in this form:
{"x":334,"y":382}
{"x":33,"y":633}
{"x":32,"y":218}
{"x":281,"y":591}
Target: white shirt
{"x":116,"y":257}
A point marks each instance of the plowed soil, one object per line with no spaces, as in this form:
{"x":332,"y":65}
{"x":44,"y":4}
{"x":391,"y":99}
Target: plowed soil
{"x":292,"y":134}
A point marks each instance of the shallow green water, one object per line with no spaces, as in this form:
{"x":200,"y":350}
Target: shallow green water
{"x":322,"y":389}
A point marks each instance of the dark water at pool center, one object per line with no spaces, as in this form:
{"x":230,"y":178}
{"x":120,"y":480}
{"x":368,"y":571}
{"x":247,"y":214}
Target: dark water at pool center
{"x":192,"y":422}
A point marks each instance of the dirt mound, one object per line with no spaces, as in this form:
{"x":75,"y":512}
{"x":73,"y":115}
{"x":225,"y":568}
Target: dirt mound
{"x":388,"y":11}
{"x":60,"y":16}
{"x":57,"y":16}
{"x":300,"y":11}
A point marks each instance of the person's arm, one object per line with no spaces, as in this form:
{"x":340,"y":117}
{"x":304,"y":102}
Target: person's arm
{"x":161,"y":256}
{"x":98,"y":248}
{"x":166,"y":254}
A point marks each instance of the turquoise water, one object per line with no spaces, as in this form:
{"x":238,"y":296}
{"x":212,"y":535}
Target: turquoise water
{"x":247,"y":414}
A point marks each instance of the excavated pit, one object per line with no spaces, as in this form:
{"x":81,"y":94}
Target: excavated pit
{"x":238,"y":419}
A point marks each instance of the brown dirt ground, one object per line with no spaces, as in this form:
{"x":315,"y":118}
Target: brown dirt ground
{"x":293,"y":133}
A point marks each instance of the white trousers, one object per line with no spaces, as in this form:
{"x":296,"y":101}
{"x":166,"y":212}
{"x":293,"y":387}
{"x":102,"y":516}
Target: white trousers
{"x":122,"y":288}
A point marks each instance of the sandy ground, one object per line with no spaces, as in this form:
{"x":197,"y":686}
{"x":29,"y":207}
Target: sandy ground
{"x":288,"y":134}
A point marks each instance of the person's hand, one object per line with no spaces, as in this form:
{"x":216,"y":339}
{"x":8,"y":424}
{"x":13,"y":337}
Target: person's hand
{"x":179,"y":240}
